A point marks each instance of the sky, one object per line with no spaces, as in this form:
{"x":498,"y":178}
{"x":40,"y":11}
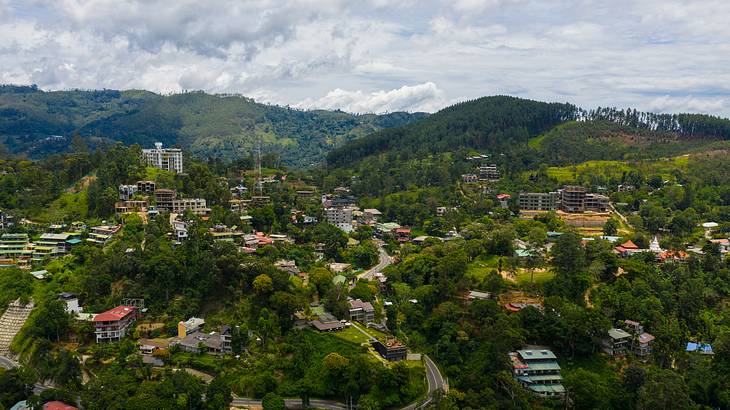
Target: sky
{"x":380,"y":55}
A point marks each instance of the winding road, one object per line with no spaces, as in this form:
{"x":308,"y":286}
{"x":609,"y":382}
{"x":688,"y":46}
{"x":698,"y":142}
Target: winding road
{"x":383,"y":262}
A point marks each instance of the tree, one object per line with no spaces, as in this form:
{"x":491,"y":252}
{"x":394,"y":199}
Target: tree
{"x":664,"y":389}
{"x":610,"y":228}
{"x":218,"y":394}
{"x":588,"y":390}
{"x":263,"y":284}
{"x":273,"y":401}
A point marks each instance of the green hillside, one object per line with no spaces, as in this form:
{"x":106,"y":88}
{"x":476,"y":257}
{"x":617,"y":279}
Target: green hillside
{"x":37,"y":123}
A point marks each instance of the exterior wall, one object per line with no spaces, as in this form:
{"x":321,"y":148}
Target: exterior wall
{"x":113,"y":331}
{"x":538,"y":201}
{"x":168,"y":159}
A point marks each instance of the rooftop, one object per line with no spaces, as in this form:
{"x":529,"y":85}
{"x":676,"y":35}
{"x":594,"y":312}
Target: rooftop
{"x":117,"y":313}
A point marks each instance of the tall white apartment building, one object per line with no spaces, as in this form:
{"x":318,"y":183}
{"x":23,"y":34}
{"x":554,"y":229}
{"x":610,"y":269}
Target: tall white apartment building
{"x":340,"y":217}
{"x":169,"y":159}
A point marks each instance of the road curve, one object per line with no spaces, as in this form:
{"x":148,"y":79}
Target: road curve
{"x":383,"y":261}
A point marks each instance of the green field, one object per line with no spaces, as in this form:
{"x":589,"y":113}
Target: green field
{"x":479,"y":268}
{"x":66,"y":208}
{"x":352,"y":335}
{"x":663,"y":167}
{"x":523,"y":277}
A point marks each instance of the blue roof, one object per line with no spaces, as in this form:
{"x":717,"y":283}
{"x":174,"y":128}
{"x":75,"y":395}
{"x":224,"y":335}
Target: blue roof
{"x":703,"y":348}
{"x":74,"y":241}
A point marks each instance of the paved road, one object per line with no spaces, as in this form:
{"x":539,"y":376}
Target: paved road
{"x":293,"y":403}
{"x":10,"y":364}
{"x":384,"y":260}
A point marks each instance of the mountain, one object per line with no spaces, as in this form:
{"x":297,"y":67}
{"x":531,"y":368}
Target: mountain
{"x":36,"y":123}
{"x":553,"y":133}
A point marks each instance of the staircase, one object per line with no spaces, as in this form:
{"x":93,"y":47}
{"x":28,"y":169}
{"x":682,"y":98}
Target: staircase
{"x":11,"y":322}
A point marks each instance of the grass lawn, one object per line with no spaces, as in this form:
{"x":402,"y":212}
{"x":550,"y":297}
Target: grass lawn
{"x":523,"y":277}
{"x":68,"y":205}
{"x":317,"y":310}
{"x":352,"y":335}
{"x":479,"y":268}
{"x":663,"y":167}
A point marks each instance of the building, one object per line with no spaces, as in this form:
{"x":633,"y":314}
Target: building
{"x":616,"y":342}
{"x":392,"y":349}
{"x":58,"y":405}
{"x":340,"y":217}
{"x":15,"y":250}
{"x":539,"y":201}
{"x":371,"y":215}
{"x":403,"y":234}
{"x":146,"y":187}
{"x":164,"y":198}
{"x":572,"y":198}
{"x":127,"y":191}
{"x":53,"y":245}
{"x":179,"y":231}
{"x":469,"y":178}
{"x":489,"y":172}
{"x":196,"y":205}
{"x":71,"y":301}
{"x":168,"y":159}
{"x":361,"y":311}
{"x":504,"y":200}
{"x":641,"y":341}
{"x":218,"y":343}
{"x":102,"y":234}
{"x":126,"y":207}
{"x":189,"y":326}
{"x":538,"y":371}
{"x":114,"y":324}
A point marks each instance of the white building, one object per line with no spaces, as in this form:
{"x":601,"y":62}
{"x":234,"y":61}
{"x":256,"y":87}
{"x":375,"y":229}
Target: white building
{"x":169,"y":159}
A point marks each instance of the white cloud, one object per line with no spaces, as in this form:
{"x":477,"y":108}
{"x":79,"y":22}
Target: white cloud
{"x":667,"y":104}
{"x":379,"y":55}
{"x":421,"y":97}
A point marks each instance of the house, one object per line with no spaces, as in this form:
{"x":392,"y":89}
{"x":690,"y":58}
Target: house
{"x":114,"y":324}
{"x":371,"y":215}
{"x":387,"y":228}
{"x":504,"y":200}
{"x":469,"y":178}
{"x":674,"y":256}
{"x":222,"y":233}
{"x":189,"y":326}
{"x":146,"y":187}
{"x":289,"y":267}
{"x":616,"y":342}
{"x":129,"y":206}
{"x":217,"y":343}
{"x":392,"y":350}
{"x":403,"y":234}
{"x":701,"y":348}
{"x":325,"y":322}
{"x":723,"y":244}
{"x":168,"y":159}
{"x":126,"y":192}
{"x":102,"y":234}
{"x":58,"y":405}
{"x":179,"y":231}
{"x":71,"y":301}
{"x":489,"y":172}
{"x":641,"y":342}
{"x":473,"y":295}
{"x":53,"y":245}
{"x":538,"y":371}
{"x":195,"y":205}
{"x":337,"y":267}
{"x":361,"y":311}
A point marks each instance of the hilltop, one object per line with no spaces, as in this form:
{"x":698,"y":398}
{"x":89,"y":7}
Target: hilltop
{"x":36,"y":123}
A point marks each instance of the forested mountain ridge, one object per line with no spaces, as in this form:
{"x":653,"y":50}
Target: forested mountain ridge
{"x":36,"y":123}
{"x":557,"y":133}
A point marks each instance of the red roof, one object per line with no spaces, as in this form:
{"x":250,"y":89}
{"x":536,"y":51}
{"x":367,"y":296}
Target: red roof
{"x":117,"y":313}
{"x":58,"y":405}
{"x":402,"y":230}
{"x":504,"y":196}
{"x":629,"y":245}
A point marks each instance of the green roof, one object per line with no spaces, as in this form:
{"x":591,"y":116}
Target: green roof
{"x":547,"y":388}
{"x":551,"y":365}
{"x":541,"y":378}
{"x":536,"y":354}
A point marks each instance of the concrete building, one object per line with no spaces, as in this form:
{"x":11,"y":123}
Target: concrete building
{"x":469,"y":178}
{"x":126,"y":192}
{"x":392,"y":349}
{"x":179,"y":231}
{"x":489,"y":172}
{"x":71,"y":301}
{"x":361,"y":311}
{"x":53,"y":245}
{"x":114,"y":324}
{"x":538,"y":371}
{"x":168,"y":159}
{"x":340,"y":217}
{"x":616,"y":342}
{"x":15,"y":250}
{"x":189,"y":326}
{"x":217,"y":343}
{"x":196,"y":205}
{"x":539,"y":201}
{"x":164,"y":198}
{"x":102,"y":234}
{"x":125,"y":207}
{"x":146,"y":187}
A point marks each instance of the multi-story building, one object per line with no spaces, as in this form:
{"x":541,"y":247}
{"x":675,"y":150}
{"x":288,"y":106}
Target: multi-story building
{"x":53,"y":245}
{"x":469,"y":178}
{"x":392,"y":349}
{"x":196,"y":205}
{"x":114,"y":324}
{"x":15,"y":250}
{"x":539,"y":201}
{"x":596,"y":203}
{"x":641,"y":340}
{"x":125,"y":207}
{"x":101,"y":234}
{"x":127,"y":191}
{"x":146,"y":187}
{"x":214,"y":342}
{"x":616,"y":342}
{"x":164,"y":198}
{"x":340,"y":217}
{"x":168,"y":159}
{"x":361,"y":311}
{"x":572,"y":198}
{"x":489,"y":172}
{"x":538,"y":371}
{"x":179,"y":231}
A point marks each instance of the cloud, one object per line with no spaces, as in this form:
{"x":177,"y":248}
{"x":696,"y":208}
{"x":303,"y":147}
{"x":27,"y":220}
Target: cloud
{"x":421,"y":97}
{"x":379,"y":55}
{"x":667,"y":104}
